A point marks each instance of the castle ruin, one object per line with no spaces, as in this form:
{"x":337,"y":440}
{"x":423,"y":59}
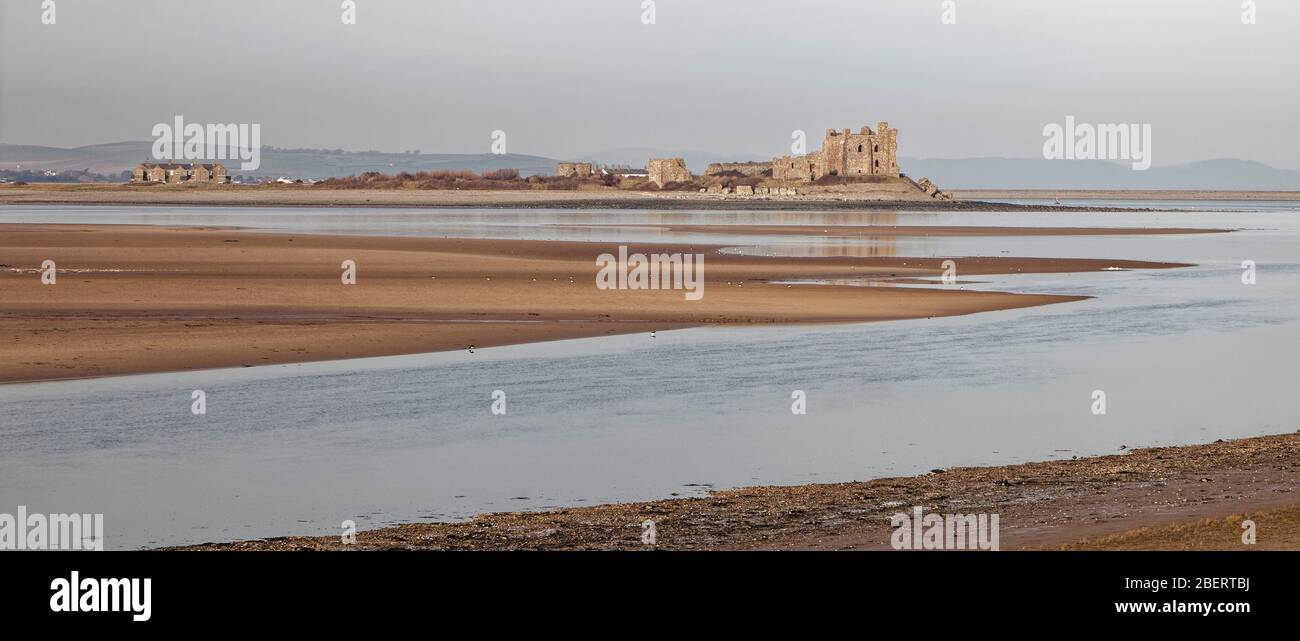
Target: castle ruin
{"x":574,"y":169}
{"x":866,"y":161}
{"x":668,"y":170}
{"x":742,"y":168}
{"x":844,"y":153}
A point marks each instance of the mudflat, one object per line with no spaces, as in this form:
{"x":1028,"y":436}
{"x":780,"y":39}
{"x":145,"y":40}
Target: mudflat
{"x":1188,"y":497}
{"x":881,"y":231}
{"x":294,"y":195}
{"x":1126,"y":194}
{"x":133,"y":299}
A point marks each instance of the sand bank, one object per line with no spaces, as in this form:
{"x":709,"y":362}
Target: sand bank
{"x":921,"y":231}
{"x":313,"y":196}
{"x":132,"y":299}
{"x":1124,"y":194}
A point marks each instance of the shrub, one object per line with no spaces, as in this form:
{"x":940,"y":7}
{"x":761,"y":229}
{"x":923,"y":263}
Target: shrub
{"x":685,"y":185}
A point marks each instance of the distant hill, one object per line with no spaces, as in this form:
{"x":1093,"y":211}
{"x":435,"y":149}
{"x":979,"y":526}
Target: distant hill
{"x":104,"y":159}
{"x":291,"y":163}
{"x":964,"y":173}
{"x":1035,"y":173}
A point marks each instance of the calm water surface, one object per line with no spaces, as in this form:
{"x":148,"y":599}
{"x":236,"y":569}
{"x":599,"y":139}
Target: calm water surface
{"x":1187,"y":355}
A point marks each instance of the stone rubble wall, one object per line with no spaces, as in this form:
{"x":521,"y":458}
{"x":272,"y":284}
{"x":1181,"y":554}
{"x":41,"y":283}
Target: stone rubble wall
{"x":574,"y":169}
{"x":666,"y":170}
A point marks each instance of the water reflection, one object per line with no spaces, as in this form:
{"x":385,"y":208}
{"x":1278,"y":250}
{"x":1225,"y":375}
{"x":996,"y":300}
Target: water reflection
{"x":1186,"y":355}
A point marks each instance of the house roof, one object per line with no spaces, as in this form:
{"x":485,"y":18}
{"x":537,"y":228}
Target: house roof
{"x":172,"y":165}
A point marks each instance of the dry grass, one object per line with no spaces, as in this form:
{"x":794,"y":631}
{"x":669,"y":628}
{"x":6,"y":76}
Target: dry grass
{"x":1275,"y":530}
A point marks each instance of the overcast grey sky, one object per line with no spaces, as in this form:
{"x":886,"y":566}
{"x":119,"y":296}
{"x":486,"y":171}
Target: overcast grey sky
{"x":566,"y":77}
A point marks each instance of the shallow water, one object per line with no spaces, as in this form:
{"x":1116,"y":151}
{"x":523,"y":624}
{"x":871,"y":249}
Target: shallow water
{"x":1186,"y":355}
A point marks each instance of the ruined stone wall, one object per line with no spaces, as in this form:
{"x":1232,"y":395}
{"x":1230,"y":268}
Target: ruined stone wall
{"x":834,"y":144}
{"x":796,"y":168}
{"x":574,"y":169}
{"x":666,"y":170}
{"x":745,"y":168}
{"x":932,"y":190}
{"x":886,"y":161}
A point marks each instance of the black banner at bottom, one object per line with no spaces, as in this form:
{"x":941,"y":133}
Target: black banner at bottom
{"x":164,"y":591}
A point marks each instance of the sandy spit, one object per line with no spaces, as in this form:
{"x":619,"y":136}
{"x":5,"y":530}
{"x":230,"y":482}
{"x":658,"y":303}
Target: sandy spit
{"x":133,"y":299}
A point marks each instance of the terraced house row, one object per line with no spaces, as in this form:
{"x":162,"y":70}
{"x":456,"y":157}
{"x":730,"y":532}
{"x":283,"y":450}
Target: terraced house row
{"x":152,"y":172}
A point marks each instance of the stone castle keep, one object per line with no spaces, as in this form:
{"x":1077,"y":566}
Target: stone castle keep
{"x":844,"y":153}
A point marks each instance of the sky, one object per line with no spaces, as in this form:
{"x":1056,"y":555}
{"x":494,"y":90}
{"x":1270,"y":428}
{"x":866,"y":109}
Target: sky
{"x":566,"y":78}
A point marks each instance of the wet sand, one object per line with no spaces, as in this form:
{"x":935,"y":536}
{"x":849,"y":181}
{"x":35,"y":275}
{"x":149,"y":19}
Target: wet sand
{"x":1189,"y":497}
{"x":278,"y":195}
{"x":134,"y":299}
{"x":1125,"y":194}
{"x":919,"y":231}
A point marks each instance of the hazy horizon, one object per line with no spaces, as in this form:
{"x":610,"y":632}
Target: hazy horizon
{"x":576,"y":77}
